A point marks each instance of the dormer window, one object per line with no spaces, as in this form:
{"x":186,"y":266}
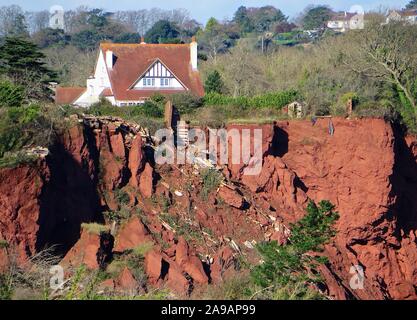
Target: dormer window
{"x":164,"y":82}
{"x":148,"y":82}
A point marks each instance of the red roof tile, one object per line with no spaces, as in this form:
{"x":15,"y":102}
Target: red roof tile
{"x":409,"y":13}
{"x":106,"y":93}
{"x":68,"y":95}
{"x":132,"y":60}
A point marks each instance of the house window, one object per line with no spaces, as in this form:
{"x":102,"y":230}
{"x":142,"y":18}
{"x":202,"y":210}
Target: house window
{"x":148,"y":82}
{"x":164,"y":82}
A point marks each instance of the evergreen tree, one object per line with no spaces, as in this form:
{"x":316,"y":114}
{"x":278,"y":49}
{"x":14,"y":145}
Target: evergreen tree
{"x":287,"y":264}
{"x":411,"y":5}
{"x":214,"y":83}
{"x":316,"y":17}
{"x":22,"y":62}
{"x":162,"y":32}
{"x":242,"y":19}
{"x":19,"y":27}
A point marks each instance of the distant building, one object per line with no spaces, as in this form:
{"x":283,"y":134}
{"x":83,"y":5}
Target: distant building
{"x":409,"y":16}
{"x":129,"y":74}
{"x":343,"y":21}
{"x":56,"y":17}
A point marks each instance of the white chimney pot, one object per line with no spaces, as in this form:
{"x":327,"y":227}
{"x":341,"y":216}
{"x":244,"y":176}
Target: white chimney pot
{"x":109,"y":59}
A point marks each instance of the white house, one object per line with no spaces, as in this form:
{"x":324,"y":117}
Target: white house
{"x":409,"y":16}
{"x":341,"y":22}
{"x":129,"y":74}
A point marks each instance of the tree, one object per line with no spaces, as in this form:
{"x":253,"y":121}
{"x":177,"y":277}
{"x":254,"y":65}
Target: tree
{"x":49,"y":37}
{"x":411,"y":5}
{"x":389,"y":53}
{"x":11,"y":95}
{"x":241,"y":17}
{"x":162,"y":32}
{"x":87,"y":39}
{"x":214,"y":38}
{"x":288,"y":264}
{"x":284,"y":27}
{"x":316,"y":17}
{"x":264,"y":17}
{"x":22,"y":62}
{"x":127,"y":37}
{"x":11,"y":20}
{"x":214,"y":82}
{"x":37,"y":21}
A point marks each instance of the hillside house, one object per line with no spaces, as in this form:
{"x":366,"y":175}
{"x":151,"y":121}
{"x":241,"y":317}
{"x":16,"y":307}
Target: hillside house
{"x":343,"y":21}
{"x":129,"y":74}
{"x":409,"y":16}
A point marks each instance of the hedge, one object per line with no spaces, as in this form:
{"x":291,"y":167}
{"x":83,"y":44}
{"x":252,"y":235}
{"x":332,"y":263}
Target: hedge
{"x":267,"y":100}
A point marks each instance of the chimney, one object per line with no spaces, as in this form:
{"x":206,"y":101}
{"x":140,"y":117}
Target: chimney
{"x":109,"y":59}
{"x":142,"y":40}
{"x":193,"y":53}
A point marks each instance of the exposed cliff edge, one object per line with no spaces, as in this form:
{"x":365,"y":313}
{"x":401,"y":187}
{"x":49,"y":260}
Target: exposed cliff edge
{"x":368,"y":169}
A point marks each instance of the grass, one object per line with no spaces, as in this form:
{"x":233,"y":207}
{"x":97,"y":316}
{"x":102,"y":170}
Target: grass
{"x":142,"y":249}
{"x":94,"y":228}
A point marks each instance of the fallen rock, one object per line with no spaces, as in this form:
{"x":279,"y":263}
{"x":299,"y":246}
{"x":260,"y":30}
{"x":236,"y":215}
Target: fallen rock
{"x":190,"y":263}
{"x":84,"y":251}
{"x":231,"y":197}
{"x":223,"y":265}
{"x":153,"y":266}
{"x":178,"y":282}
{"x":131,"y":235}
{"x":126,"y":281}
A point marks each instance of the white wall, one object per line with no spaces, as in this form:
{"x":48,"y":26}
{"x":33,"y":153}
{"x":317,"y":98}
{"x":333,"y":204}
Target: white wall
{"x":173,"y":84}
{"x":95,"y":84}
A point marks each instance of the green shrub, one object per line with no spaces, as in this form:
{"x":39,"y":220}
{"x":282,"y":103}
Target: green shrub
{"x":238,"y":287}
{"x":286,"y":265}
{"x":186,"y":102}
{"x":20,"y":126}
{"x":94,"y":228}
{"x":158,"y":98}
{"x":211,"y":181}
{"x":3,"y":244}
{"x":148,"y":109}
{"x":376,"y":109}
{"x":349,"y":96}
{"x":268,"y":100}
{"x":13,"y":160}
{"x":11,"y":95}
{"x":121,"y":196}
{"x":6,"y":287}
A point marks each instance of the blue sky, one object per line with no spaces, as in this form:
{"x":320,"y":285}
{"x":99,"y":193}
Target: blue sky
{"x":204,"y":9}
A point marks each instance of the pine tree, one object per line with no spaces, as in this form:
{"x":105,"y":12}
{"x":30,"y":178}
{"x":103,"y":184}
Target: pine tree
{"x":22,"y":62}
{"x":214,"y":83}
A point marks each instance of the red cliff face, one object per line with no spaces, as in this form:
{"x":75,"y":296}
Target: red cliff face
{"x":44,"y":205}
{"x":367,"y":169}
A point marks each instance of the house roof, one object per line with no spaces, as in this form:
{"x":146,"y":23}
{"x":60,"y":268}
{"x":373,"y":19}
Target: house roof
{"x":408,"y":13}
{"x":132,"y":60}
{"x":343,"y":16}
{"x":106,"y":93}
{"x":67,"y":95}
